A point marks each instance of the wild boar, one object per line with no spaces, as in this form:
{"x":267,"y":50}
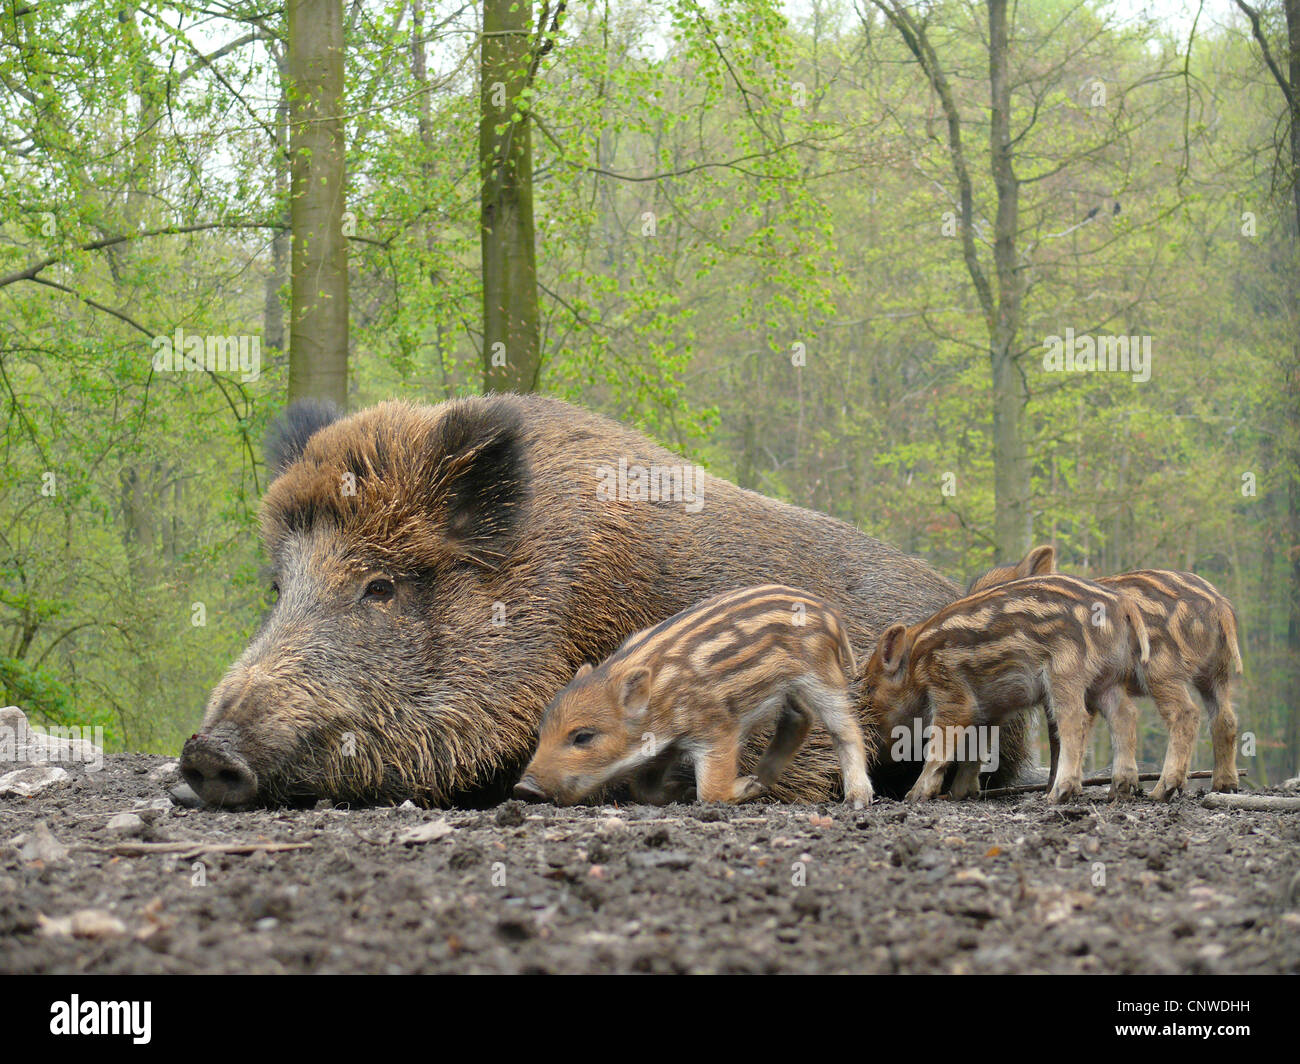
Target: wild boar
{"x":442,"y":571}
{"x":694,"y":687}
{"x":1058,"y":641}
{"x":1193,"y":631}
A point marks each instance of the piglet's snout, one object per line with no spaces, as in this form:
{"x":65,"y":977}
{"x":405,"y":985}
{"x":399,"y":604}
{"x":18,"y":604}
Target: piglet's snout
{"x":529,"y":790}
{"x":216,"y":772}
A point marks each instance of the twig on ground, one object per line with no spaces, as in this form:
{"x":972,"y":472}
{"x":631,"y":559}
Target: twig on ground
{"x":1259,"y":803}
{"x":1091,"y":781}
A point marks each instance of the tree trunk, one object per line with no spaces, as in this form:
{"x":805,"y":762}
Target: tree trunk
{"x":511,"y":360}
{"x":1293,"y":399}
{"x":1012,"y":522}
{"x":1001,"y":299}
{"x":318,"y":313}
{"x":438,"y":379}
{"x":272,"y":309}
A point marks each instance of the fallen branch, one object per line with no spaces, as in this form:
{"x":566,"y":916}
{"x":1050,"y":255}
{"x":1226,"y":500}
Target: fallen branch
{"x":1091,"y":781}
{"x":193,"y":849}
{"x":1259,"y":803}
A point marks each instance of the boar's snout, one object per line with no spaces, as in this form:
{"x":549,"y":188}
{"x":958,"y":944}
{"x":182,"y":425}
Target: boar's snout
{"x":216,"y":773}
{"x":529,"y":790}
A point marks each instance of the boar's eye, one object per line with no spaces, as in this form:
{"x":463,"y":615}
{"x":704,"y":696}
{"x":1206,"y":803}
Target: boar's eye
{"x":581,"y":737}
{"x":380,"y":590}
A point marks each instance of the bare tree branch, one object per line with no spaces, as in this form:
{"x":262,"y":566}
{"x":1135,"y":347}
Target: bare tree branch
{"x":1257,"y":31}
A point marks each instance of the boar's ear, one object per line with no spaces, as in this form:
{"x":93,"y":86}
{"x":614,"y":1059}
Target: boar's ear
{"x":481,"y":479}
{"x":290,"y":432}
{"x":634,"y":691}
{"x":1041,"y":561}
{"x":893,"y":648}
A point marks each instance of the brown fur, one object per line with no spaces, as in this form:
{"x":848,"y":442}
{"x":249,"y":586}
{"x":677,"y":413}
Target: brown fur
{"x":1054,"y":640}
{"x":1193,"y":632}
{"x":485,"y":510}
{"x":693,"y":688}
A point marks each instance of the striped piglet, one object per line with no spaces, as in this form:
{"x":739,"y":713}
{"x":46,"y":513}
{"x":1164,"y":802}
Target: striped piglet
{"x":692,"y":688}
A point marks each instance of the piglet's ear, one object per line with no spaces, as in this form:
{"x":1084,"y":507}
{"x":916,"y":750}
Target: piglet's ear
{"x":894,"y":646}
{"x":583,"y":672}
{"x":634,"y":691}
{"x":1041,"y":561}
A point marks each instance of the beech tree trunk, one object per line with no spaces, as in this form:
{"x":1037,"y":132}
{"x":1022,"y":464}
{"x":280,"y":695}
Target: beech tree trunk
{"x":318,"y":314}
{"x":1293,"y":385}
{"x":1012,"y":523}
{"x":511,"y":345}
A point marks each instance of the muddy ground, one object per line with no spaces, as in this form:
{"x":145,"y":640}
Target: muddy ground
{"x":1004,"y":885}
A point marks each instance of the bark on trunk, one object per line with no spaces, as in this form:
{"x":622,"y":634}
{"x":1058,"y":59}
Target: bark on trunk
{"x":1012,"y":523}
{"x":510,"y":317}
{"x":318,"y":317}
{"x":1293,"y":394}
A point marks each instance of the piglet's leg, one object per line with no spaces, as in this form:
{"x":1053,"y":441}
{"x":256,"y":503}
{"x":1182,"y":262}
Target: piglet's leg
{"x":791,"y":730}
{"x":715,"y":771}
{"x":1074,"y":722}
{"x":1183,"y":720}
{"x":655,"y":784}
{"x":837,"y":715}
{"x":1121,"y":715}
{"x":953,"y":710}
{"x":966,"y":783}
{"x":1223,"y":730}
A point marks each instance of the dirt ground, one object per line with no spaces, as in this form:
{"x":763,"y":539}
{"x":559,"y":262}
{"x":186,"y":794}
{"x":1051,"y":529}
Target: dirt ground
{"x":1003,"y":885}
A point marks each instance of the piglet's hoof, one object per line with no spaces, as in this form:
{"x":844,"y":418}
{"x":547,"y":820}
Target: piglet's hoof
{"x":1063,"y":793}
{"x":1162,"y":792}
{"x":1122,"y":790}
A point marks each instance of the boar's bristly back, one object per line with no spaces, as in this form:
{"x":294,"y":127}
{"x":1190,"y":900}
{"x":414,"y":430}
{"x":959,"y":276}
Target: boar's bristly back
{"x":289,"y":433}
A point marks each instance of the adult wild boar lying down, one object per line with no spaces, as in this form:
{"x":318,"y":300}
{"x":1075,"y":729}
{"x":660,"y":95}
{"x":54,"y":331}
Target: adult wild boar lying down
{"x":442,"y":571}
